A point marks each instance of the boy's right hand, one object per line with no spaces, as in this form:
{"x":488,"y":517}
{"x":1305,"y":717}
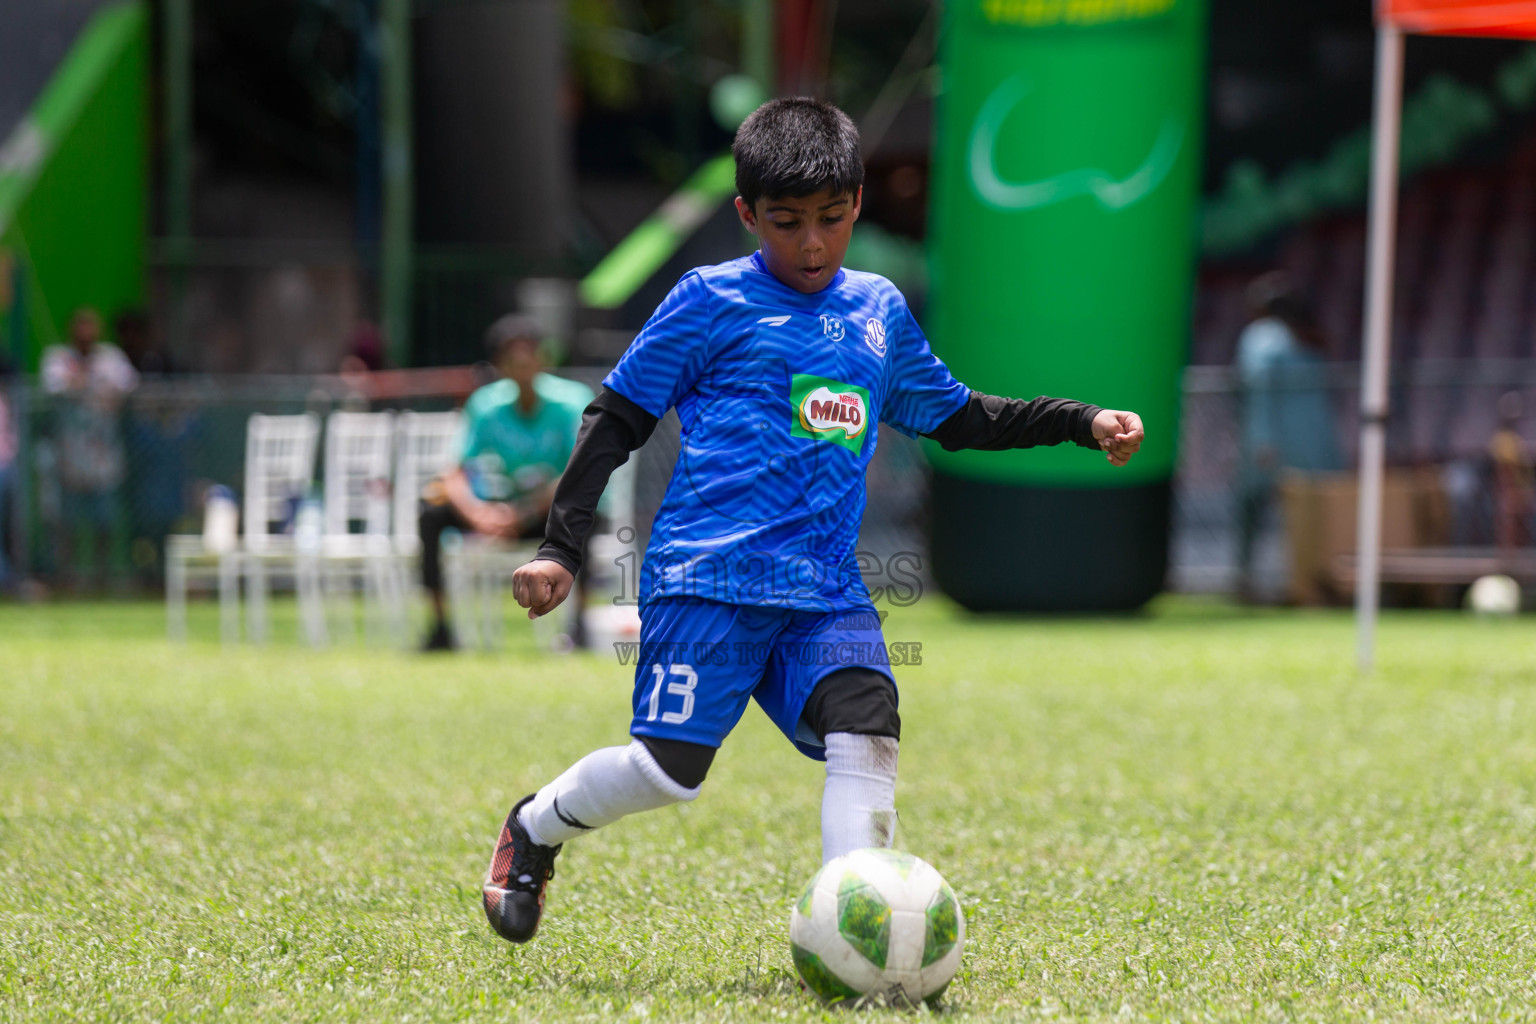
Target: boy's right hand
{"x":541,"y":585}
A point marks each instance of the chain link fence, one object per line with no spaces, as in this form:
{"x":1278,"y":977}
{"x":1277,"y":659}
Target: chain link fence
{"x":154,"y":459}
{"x":1440,"y":437}
{"x":177,"y":436}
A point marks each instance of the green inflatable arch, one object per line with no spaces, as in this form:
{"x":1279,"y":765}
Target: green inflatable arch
{"x":1063,"y":242}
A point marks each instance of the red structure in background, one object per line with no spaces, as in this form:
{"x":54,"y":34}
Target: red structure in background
{"x":1509,"y":18}
{"x":1514,"y":20}
{"x":804,"y":43}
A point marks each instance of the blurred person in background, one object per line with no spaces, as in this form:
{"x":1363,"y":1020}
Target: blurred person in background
{"x":1288,"y":420}
{"x":364,"y":357}
{"x":365,"y":349}
{"x":518,"y":434}
{"x":135,"y":337}
{"x":1513,"y":486}
{"x":89,"y":379}
{"x":159,"y":437}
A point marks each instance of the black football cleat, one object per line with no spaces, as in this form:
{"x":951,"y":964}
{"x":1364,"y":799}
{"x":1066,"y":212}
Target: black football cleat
{"x":514,"y":889}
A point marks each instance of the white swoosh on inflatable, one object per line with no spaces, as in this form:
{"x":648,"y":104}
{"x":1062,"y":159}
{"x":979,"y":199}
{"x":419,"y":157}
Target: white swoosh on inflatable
{"x":1113,"y":195}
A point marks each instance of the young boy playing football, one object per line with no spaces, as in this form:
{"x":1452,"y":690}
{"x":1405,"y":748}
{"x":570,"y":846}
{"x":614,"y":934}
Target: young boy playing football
{"x":780,"y":364}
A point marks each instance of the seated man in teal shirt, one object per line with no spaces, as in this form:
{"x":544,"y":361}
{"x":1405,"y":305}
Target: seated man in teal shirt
{"x":518,"y":435}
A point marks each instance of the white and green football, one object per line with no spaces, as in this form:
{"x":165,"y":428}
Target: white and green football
{"x":877,"y":923}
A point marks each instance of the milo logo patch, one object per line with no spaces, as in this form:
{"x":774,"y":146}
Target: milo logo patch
{"x":829,"y":410}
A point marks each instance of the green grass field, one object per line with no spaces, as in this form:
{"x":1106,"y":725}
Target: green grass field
{"x":1194,"y":814}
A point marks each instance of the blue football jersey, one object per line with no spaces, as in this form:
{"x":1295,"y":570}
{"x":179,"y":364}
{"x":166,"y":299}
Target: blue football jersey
{"x":779,"y":394}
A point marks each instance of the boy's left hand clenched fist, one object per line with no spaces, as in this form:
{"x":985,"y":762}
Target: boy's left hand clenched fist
{"x":541,"y":585}
{"x":1119,"y":433}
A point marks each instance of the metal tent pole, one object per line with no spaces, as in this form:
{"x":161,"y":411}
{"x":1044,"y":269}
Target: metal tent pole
{"x":397,"y":229}
{"x":368,"y":164}
{"x":757,"y":43}
{"x":176,"y":99}
{"x":1378,"y":333}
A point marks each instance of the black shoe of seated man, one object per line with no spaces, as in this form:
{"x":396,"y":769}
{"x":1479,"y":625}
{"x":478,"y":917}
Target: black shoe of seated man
{"x":514,"y":887}
{"x":440,"y":639}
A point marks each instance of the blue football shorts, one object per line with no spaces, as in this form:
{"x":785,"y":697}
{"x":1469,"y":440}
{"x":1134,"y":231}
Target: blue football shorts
{"x":700,"y":661}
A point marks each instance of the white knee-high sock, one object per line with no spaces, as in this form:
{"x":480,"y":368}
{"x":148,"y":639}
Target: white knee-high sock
{"x":858,"y":807}
{"x":600,"y":788}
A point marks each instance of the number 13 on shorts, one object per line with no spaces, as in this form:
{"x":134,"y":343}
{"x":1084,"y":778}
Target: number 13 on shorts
{"x":677,"y":680}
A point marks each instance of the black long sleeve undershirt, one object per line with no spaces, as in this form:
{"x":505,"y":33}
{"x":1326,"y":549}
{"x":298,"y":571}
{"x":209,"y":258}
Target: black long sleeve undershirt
{"x":994,"y":424}
{"x":611,"y":427}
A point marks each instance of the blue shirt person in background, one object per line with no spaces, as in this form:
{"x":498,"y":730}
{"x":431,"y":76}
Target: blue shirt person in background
{"x":518,"y":434}
{"x":780,"y":365}
{"x":1288,"y":418}
{"x":88,"y":380}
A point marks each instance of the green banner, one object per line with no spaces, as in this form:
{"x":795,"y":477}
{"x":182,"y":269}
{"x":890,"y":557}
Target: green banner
{"x":74,"y":185}
{"x":1063,"y":234}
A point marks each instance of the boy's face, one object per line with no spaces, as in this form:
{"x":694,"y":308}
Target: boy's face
{"x":804,"y":238}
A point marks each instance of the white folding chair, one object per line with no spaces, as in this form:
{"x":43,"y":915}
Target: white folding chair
{"x":354,"y":544}
{"x":426,"y":446}
{"x":279,"y":464}
{"x":475,"y":569}
{"x":476,"y":574}
{"x":188,"y":561}
{"x":279,"y":469}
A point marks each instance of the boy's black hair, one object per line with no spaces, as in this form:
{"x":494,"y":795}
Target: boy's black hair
{"x":794,"y":147}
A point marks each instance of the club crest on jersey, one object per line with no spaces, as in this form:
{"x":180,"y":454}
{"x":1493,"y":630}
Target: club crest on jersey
{"x":829,"y":410}
{"x":874,"y":336}
{"x":832,"y":327}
